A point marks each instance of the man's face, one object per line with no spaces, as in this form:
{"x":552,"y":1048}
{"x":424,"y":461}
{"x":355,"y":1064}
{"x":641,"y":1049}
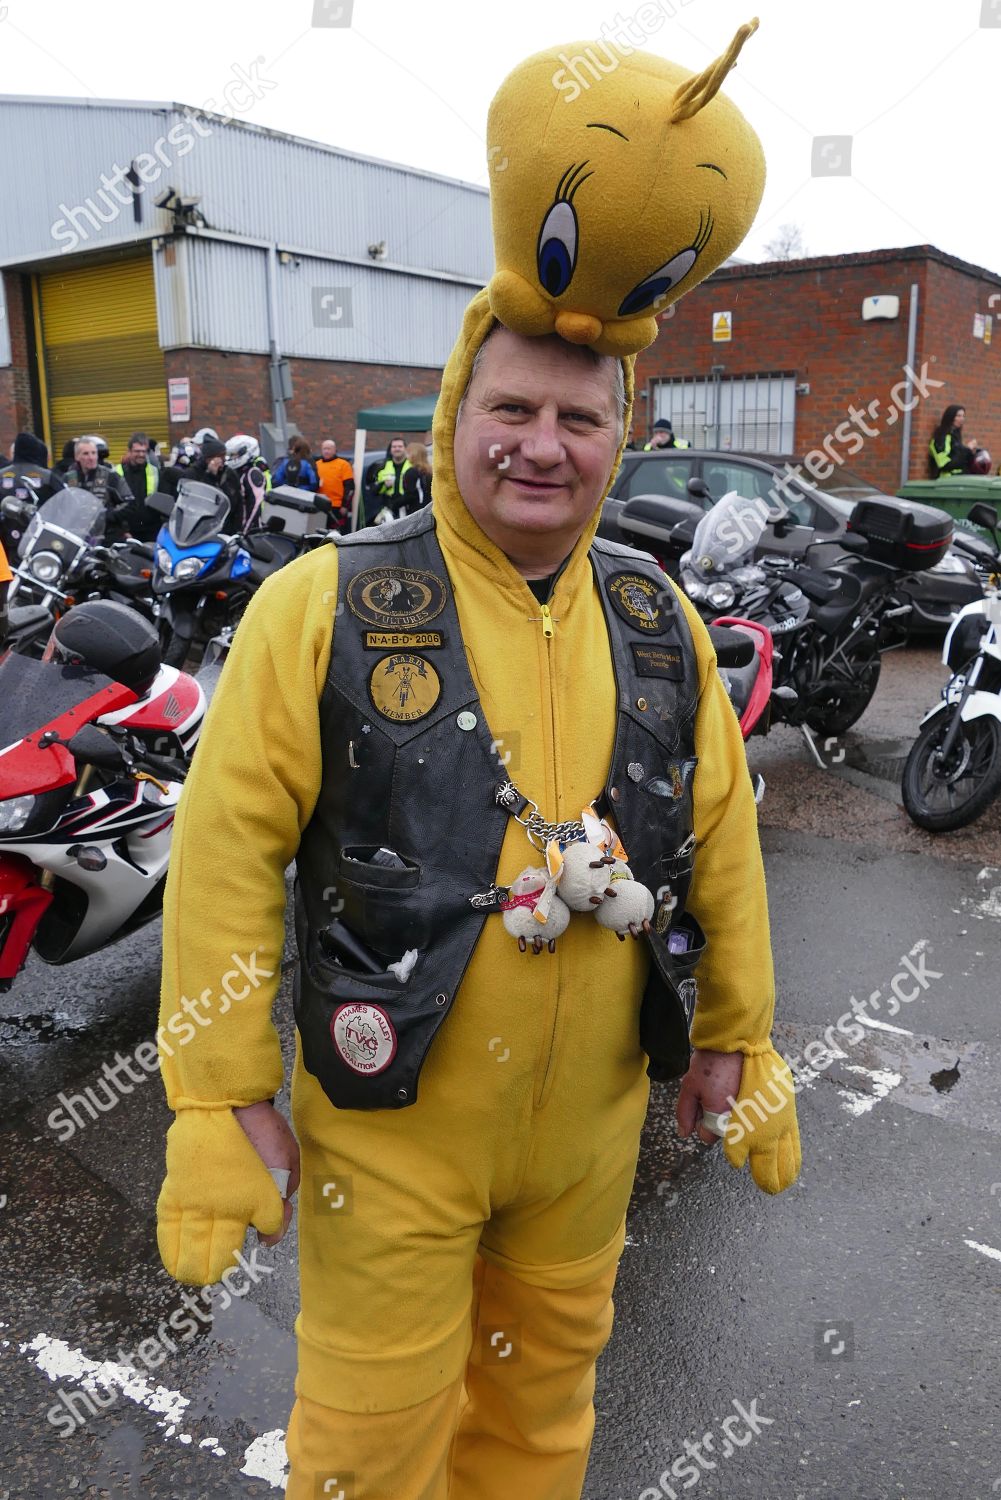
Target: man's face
{"x":661,"y":438}
{"x":137,"y":453}
{"x":397,"y":452}
{"x":86,"y":456}
{"x":536,"y":440}
{"x":328,"y":450}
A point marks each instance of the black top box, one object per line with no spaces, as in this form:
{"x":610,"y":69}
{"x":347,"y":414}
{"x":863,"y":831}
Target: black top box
{"x":906,"y":535}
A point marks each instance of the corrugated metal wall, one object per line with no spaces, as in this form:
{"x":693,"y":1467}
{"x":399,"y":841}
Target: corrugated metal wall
{"x":251,"y":182}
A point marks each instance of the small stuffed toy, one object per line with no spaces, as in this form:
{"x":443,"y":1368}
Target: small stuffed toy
{"x":583,"y":876}
{"x":633,"y":905}
{"x":533,"y":912}
{"x":617,"y":184}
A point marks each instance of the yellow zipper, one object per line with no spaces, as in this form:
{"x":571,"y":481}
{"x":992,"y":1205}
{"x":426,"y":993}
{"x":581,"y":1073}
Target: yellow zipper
{"x":547,"y":622}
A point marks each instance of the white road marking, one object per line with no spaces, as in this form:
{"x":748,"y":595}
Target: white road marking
{"x":884,"y":1081}
{"x":263,"y":1459}
{"x":884,"y":1026}
{"x":984,"y":1249}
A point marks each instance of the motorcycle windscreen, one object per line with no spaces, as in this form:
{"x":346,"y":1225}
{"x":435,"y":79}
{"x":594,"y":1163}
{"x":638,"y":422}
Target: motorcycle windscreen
{"x":199,"y":514}
{"x":74,"y":510}
{"x":36,"y":695}
{"x":728,"y":533}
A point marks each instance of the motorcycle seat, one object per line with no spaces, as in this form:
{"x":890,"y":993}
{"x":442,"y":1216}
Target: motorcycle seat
{"x":25,"y":616}
{"x":732,"y":647}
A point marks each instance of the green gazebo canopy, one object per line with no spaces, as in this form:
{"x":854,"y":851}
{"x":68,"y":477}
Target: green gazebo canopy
{"x":413,"y":415}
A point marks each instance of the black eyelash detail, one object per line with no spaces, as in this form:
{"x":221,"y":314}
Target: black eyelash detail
{"x":567,"y":186}
{"x":705,"y":230}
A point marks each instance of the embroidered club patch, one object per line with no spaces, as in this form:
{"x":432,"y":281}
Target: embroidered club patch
{"x":658,"y":661}
{"x":396,"y":598}
{"x":403,"y":640}
{"x":640,"y":601}
{"x":404,"y":687}
{"x":363,"y":1037}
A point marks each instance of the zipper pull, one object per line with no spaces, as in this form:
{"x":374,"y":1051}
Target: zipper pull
{"x":547,"y":622}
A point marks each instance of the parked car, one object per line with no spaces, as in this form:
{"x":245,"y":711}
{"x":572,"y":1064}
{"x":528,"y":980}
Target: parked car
{"x":647,"y":481}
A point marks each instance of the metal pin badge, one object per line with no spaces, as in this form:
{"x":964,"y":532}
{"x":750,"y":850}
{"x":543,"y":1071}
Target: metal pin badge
{"x":635,"y":771}
{"x":466,"y":720}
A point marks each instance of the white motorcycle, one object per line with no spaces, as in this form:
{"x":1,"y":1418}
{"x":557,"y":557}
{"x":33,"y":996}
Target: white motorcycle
{"x":953,"y":771}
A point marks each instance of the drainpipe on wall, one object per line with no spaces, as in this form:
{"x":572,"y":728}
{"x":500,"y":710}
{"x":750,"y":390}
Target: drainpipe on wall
{"x":912,"y":338}
{"x":274,"y":358}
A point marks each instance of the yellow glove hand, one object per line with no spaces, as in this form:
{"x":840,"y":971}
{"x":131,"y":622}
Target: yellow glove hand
{"x":762,"y":1124}
{"x":216,"y":1187}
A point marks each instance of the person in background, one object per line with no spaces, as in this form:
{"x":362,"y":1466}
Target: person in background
{"x":296,"y":469}
{"x":388,"y":483}
{"x":663,"y":437}
{"x":6,"y":577}
{"x":947,"y":452}
{"x":30,"y":461}
{"x":211,"y":468}
{"x":88,"y":473}
{"x":417,"y":479}
{"x":337,"y":482}
{"x":66,"y":459}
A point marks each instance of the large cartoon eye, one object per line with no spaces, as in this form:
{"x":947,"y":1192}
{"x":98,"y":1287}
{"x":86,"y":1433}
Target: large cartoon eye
{"x":659,"y":284}
{"x":557,"y":249}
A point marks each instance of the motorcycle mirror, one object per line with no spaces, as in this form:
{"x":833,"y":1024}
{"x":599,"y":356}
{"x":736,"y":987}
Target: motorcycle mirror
{"x":984,"y":515}
{"x":93,"y":748}
{"x":275,"y":523}
{"x":699,"y":488}
{"x":852,"y":541}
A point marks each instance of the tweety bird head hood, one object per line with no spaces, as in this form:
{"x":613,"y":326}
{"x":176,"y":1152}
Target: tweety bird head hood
{"x":617,"y":184}
{"x":615,"y":189}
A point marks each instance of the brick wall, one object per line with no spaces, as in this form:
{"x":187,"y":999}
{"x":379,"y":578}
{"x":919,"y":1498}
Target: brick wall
{"x":16,"y":414}
{"x":804,"y":318}
{"x":231,"y":393}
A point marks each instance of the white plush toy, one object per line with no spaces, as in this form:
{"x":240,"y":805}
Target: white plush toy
{"x":583,"y":876}
{"x":633,"y":905}
{"x":533,"y":912}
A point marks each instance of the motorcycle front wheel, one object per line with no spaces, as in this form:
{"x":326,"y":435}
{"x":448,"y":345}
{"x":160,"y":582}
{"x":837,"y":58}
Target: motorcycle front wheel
{"x":941,"y":795}
{"x":848,"y":687}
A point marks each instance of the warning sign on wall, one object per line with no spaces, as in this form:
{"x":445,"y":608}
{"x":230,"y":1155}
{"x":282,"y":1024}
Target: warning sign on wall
{"x":722,"y":327}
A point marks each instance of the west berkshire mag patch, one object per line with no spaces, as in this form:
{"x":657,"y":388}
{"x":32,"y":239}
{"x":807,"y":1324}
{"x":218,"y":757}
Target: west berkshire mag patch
{"x":641,"y":602}
{"x":404,"y":687}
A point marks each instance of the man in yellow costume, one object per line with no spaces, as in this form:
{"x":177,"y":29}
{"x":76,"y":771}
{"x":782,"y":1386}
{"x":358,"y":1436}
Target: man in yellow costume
{"x":419,"y":717}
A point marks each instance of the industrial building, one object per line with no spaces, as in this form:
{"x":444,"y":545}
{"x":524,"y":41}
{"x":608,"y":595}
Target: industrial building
{"x":164,"y":269}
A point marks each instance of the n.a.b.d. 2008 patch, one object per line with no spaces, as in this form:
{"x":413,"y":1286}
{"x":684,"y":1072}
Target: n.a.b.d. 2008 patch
{"x":363,"y":1037}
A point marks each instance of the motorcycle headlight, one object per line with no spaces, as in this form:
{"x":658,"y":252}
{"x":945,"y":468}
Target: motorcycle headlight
{"x":693,"y":586}
{"x":164,"y":561}
{"x":721,"y":595}
{"x":14,"y":813}
{"x":189,"y":567}
{"x":45,"y":566}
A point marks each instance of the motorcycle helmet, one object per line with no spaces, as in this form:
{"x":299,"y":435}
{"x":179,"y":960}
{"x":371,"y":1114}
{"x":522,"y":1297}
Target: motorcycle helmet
{"x":981,"y":462}
{"x":109,"y":638}
{"x":205,"y":432}
{"x":241,"y":450}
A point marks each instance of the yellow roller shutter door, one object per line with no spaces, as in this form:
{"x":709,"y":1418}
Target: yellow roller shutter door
{"x":104,"y":369}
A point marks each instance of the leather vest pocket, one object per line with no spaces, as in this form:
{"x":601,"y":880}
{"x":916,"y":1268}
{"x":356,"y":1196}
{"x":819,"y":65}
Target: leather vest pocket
{"x":669,"y":1001}
{"x":378,"y":901}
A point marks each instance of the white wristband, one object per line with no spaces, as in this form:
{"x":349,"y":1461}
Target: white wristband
{"x":281,"y":1176}
{"x":715,"y":1123}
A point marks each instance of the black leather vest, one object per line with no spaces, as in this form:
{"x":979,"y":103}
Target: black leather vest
{"x":402,"y":730}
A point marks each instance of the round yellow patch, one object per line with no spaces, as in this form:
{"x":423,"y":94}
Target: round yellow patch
{"x":404,"y":687}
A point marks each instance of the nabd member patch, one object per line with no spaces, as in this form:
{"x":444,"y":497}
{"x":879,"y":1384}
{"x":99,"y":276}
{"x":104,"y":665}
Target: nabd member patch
{"x":404,"y":687}
{"x":396,"y":598}
{"x":640,"y":601}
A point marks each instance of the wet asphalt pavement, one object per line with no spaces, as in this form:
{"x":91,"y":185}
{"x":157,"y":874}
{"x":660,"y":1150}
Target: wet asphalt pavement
{"x":853,"y":1320}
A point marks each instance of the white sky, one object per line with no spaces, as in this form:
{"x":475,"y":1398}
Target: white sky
{"x":913,"y":82}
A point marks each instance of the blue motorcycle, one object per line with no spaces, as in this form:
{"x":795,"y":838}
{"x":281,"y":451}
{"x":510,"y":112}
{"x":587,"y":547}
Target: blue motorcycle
{"x":204,"y":578}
